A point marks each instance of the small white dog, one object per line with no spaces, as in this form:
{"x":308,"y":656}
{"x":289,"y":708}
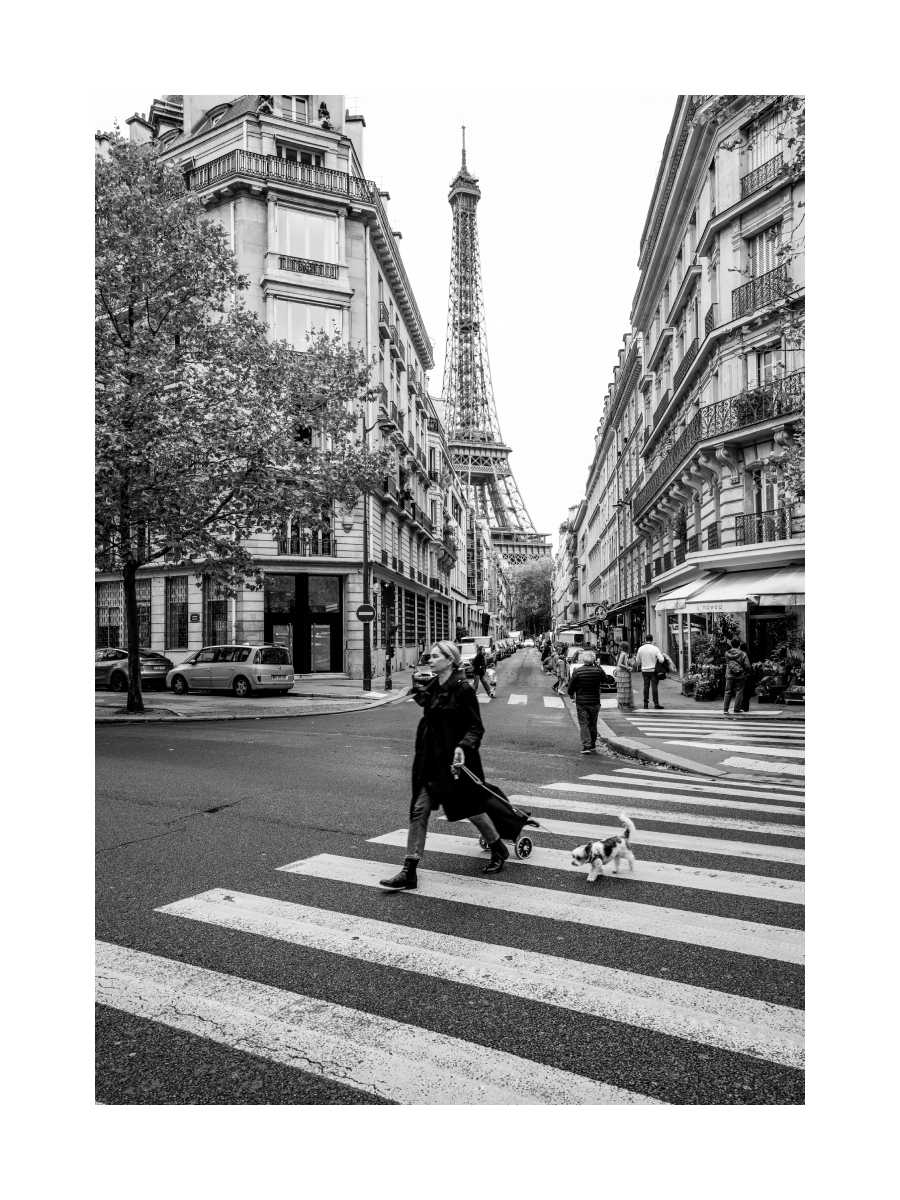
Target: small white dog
{"x":611,"y":850}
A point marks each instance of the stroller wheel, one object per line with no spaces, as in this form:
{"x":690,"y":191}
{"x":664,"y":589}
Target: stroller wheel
{"x":484,"y":843}
{"x":523,"y":847}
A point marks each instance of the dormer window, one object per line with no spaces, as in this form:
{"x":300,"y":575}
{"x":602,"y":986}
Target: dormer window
{"x":295,"y":108}
{"x":215,"y":115}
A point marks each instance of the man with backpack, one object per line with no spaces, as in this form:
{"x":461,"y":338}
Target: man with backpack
{"x":737,"y":669}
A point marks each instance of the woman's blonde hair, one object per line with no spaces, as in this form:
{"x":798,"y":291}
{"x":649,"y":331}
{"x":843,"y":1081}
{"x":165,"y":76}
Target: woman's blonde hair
{"x":449,"y":650}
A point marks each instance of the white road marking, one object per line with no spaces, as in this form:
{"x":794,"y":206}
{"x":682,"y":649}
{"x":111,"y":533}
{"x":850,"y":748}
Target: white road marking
{"x":646,"y":837}
{"x":769,"y":1031}
{"x":706,"y":715}
{"x":624,"y":793}
{"x":623,"y":804}
{"x":514,"y":699}
{"x":774,"y":750}
{"x":385,"y":1058}
{"x":553,"y":702}
{"x":757,"y":738}
{"x":733,"y":883}
{"x":484,"y":699}
{"x":726,"y":785}
{"x":699,"y":790}
{"x":760,"y":764}
{"x":670,"y":924}
{"x":708,"y":720}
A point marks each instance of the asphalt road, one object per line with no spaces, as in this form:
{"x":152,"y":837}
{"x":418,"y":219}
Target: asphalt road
{"x":665,"y":962}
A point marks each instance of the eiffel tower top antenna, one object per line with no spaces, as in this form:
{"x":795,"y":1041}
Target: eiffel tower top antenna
{"x":464,"y":146}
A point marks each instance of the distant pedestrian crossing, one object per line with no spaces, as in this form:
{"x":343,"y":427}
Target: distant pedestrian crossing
{"x":766,"y":741}
{"x":718,"y":877}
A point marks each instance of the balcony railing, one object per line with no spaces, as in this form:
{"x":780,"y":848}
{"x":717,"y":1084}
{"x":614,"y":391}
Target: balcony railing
{"x":402,"y":350}
{"x":711,"y":319}
{"x":685,"y":365}
{"x":679,"y":554}
{"x":648,"y":573}
{"x":411,"y":385}
{"x":762,"y":176}
{"x":661,"y":407}
{"x":420,"y":453}
{"x":267,"y":166}
{"x":667,"y":561}
{"x":394,"y":341}
{"x":434,"y":583}
{"x":412,"y":572}
{"x":396,"y":417}
{"x":775,"y":398}
{"x":400,"y":566}
{"x":767,"y":289}
{"x":713,"y":540}
{"x":307,"y":543}
{"x":693,"y":544}
{"x":774,"y":525}
{"x":426,"y":523}
{"x":384,"y":557}
{"x":307,"y":266}
{"x":410,"y":440}
{"x":390,"y":488}
{"x":384,"y":323}
{"x":657,"y":566}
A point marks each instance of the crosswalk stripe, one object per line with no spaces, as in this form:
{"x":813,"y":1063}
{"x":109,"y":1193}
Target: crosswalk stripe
{"x":647,"y":837}
{"x":732,"y":883}
{"x":649,"y":920}
{"x":739,"y":1024}
{"x":374,"y":1054}
{"x":677,"y":818}
{"x":707,"y":719}
{"x":624,"y":793}
{"x":699,"y":792}
{"x":760,"y":764}
{"x":553,"y":702}
{"x":484,"y":699}
{"x":774,"y":750}
{"x":687,"y":730}
{"x":725,"y":785}
{"x":514,"y":699}
{"x":707,"y":715}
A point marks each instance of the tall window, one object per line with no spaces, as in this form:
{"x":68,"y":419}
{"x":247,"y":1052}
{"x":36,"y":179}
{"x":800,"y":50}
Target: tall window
{"x":295,"y":108}
{"x":769,"y":364}
{"x":111,"y":625}
{"x":215,"y":612}
{"x":307,"y":235}
{"x":764,"y":141}
{"x":293,"y":321}
{"x":177,"y":612}
{"x":296,"y":154}
{"x":764,"y":251}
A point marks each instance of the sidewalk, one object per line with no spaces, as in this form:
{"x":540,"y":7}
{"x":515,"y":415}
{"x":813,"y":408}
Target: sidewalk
{"x":309,"y":696}
{"x":618,"y":732}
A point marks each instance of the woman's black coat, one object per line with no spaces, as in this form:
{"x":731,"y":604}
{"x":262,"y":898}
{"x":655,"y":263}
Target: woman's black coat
{"x":451,"y":718}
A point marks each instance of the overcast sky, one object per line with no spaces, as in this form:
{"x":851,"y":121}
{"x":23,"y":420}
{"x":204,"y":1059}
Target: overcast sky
{"x":565,"y":186}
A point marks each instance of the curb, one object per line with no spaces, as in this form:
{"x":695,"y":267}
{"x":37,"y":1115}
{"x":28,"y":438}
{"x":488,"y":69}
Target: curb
{"x":324,"y":711}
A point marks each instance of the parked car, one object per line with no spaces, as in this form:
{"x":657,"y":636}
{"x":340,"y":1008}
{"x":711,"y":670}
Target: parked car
{"x":529,"y":643}
{"x":239,"y":669}
{"x":422,"y":674}
{"x":111,"y":668}
{"x":605,"y":661}
{"x":467,"y":651}
{"x":487,"y":645}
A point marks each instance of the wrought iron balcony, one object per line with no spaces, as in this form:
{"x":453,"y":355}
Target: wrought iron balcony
{"x":685,"y":365}
{"x":247,"y":164}
{"x":693,"y":544}
{"x":399,"y":565}
{"x":426,"y":523}
{"x":661,"y":407}
{"x":411,"y":385}
{"x":394,"y":341}
{"x":307,"y":266}
{"x":767,"y":289}
{"x":648,"y":573}
{"x":307,"y":543}
{"x":384,"y":557}
{"x":713,"y":539}
{"x":711,"y":319}
{"x":390,"y":488}
{"x":775,"y":398}
{"x":402,"y":350}
{"x":773,"y":525}
{"x":396,"y":417}
{"x":657,"y":566}
{"x":679,"y":554}
{"x":412,"y":572}
{"x":762,"y":176}
{"x":667,"y":561}
{"x":384,"y":324}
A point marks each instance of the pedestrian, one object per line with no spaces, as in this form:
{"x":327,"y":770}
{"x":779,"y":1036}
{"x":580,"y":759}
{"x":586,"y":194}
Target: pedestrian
{"x":749,"y":682}
{"x":737,"y":668}
{"x":624,"y":693}
{"x":584,"y":687}
{"x":649,"y":659}
{"x":479,"y":667}
{"x":448,"y":738}
{"x":560,"y":669}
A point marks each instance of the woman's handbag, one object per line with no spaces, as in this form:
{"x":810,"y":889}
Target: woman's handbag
{"x":662,"y":669}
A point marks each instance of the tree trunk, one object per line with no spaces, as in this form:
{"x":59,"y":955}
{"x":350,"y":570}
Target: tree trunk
{"x":135,"y":699}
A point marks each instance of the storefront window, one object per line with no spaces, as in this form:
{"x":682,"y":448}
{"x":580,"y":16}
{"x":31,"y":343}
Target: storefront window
{"x":279,"y":593}
{"x":324,"y":593}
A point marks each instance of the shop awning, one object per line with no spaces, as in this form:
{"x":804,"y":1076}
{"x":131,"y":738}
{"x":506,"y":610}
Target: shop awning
{"x":677,"y":597}
{"x":733,"y":591}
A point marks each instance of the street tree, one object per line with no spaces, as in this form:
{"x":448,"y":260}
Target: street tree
{"x":207,"y":433}
{"x":531,"y":585}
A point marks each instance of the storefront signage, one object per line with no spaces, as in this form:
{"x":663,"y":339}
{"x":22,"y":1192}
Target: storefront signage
{"x":715,"y":606}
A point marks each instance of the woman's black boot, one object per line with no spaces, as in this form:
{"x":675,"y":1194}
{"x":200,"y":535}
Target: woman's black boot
{"x":405,"y":879}
{"x":499,"y":855}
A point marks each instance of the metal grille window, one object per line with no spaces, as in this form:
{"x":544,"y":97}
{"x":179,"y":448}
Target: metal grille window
{"x":177,"y":612}
{"x":111,"y":624}
{"x":215,"y":613}
{"x":409,"y":619}
{"x":421,"y":631}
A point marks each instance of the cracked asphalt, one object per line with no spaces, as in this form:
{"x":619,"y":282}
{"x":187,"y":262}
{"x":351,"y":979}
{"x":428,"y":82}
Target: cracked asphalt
{"x":182,"y":809}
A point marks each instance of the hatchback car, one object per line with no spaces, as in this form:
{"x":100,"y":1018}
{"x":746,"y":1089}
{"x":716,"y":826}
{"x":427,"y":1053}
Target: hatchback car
{"x":604,"y":661}
{"x":242,"y":670}
{"x":487,"y":645}
{"x":111,"y":669}
{"x":422,"y":674}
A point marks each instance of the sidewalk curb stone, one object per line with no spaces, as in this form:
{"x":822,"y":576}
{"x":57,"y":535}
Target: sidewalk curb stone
{"x":324,"y":710}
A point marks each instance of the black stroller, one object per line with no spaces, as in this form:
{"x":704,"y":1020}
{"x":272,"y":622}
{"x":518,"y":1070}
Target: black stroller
{"x":509,"y":821}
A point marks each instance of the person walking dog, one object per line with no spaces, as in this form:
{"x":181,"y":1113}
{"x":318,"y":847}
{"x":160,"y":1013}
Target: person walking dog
{"x":447,"y":739}
{"x":649,"y":658}
{"x":737,"y":668}
{"x":584,"y":687}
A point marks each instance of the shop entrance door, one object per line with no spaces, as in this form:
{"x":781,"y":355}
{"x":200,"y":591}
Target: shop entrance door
{"x":305,"y":613}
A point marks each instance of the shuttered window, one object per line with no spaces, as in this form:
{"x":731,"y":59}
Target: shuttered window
{"x":764,"y":251}
{"x":764,"y":140}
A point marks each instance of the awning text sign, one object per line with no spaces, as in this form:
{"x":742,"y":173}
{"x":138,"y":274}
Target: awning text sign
{"x":713,"y":606}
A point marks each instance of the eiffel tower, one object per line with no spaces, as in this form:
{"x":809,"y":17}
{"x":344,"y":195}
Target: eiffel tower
{"x":479,"y":454}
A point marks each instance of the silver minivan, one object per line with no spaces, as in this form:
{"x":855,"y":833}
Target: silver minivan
{"x":242,"y":670}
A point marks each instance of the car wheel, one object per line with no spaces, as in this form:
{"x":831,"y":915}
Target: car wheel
{"x":119,"y":682}
{"x":241,"y":687}
{"x":180,"y":686}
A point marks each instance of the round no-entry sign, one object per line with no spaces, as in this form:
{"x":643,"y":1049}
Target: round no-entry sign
{"x":365,"y":612}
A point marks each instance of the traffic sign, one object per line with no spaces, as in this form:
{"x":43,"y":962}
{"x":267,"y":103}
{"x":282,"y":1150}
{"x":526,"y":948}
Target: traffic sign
{"x":365,"y":612}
